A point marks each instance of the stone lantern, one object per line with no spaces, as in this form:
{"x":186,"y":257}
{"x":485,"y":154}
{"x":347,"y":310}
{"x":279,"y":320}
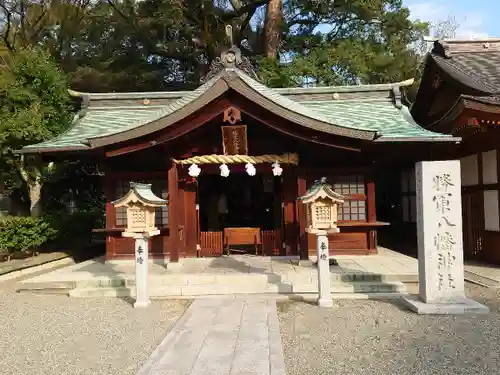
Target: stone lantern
{"x":322,"y":207}
{"x":140,"y":204}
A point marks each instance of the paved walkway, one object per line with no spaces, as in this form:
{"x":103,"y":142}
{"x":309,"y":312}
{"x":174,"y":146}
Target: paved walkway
{"x":221,"y":337}
{"x":387,"y":263}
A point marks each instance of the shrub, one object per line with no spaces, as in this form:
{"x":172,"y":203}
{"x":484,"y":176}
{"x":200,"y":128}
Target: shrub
{"x":75,"y":228}
{"x":24,"y":234}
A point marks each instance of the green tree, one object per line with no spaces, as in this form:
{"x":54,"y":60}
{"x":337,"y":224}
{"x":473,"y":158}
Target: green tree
{"x":168,"y":44}
{"x":34,"y":106}
{"x":349,"y":41}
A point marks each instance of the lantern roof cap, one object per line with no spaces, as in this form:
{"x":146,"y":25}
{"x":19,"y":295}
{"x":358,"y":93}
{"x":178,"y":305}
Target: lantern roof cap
{"x":140,"y":193}
{"x":321,"y":189}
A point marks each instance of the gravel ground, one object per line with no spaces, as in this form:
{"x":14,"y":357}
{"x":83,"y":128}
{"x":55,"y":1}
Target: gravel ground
{"x":54,"y":334}
{"x":379,"y":337}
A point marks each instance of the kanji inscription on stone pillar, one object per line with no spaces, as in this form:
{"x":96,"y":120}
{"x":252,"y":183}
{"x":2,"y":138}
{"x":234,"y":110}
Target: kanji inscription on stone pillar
{"x":440,"y":246}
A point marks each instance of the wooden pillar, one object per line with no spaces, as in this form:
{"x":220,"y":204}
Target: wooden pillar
{"x":173,"y":213}
{"x":109,"y":193}
{"x":371,"y":212}
{"x":190,"y":219}
{"x":290,"y":194}
{"x":301,"y":216}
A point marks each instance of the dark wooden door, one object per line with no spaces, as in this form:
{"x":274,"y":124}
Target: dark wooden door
{"x":473,"y":224}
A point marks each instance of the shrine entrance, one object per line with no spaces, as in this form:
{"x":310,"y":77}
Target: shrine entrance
{"x":240,"y":214}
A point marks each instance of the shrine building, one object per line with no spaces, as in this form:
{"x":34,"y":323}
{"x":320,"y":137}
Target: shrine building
{"x":232,"y":157}
{"x":460,"y":95}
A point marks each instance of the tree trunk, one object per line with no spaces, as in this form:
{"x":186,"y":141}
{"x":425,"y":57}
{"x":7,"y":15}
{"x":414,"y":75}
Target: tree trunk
{"x":274,"y":17}
{"x":33,"y":183}
{"x":35,"y":192}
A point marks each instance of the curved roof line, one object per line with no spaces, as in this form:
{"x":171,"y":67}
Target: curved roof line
{"x":282,"y":91}
{"x":466,"y":78}
{"x":247,"y":87}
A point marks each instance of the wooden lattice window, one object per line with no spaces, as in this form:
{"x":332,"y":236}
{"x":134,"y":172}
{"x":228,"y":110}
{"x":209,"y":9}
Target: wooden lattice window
{"x":349,"y":185}
{"x":353,"y":188}
{"x":159,"y":188}
{"x":352,"y":210}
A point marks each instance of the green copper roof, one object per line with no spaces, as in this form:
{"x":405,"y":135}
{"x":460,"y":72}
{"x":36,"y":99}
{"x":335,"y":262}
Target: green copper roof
{"x":144,"y":193}
{"x":317,"y":186}
{"x":298,"y":107}
{"x":384,"y":118}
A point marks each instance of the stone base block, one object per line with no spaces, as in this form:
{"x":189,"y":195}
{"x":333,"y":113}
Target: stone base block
{"x":131,"y":261}
{"x":325,"y":302}
{"x":141,"y":304}
{"x":465,"y":306}
{"x":303,"y":262}
{"x":173,"y":265}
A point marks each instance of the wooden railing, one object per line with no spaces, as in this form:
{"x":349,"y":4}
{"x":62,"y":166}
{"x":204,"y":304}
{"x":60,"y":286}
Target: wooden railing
{"x":211,"y":244}
{"x":271,"y":242}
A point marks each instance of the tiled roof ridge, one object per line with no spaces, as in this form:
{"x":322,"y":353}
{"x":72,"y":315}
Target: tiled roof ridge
{"x":448,"y":47}
{"x":282,"y":91}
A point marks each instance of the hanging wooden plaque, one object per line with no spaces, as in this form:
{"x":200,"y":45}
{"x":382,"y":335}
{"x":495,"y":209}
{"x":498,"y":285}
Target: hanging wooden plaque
{"x":234,"y":140}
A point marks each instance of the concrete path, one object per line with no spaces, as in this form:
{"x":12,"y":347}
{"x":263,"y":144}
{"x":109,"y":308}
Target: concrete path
{"x":221,"y":337}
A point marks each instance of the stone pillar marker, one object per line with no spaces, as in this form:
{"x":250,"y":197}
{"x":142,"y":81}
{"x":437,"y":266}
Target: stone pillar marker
{"x":140,"y":203}
{"x":322,"y":207}
{"x":141,"y":271}
{"x":324,"y":297}
{"x":440,"y":243}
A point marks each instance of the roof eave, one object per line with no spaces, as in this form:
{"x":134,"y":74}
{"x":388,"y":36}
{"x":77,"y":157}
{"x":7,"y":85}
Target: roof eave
{"x":462,"y":78}
{"x":45,"y":150}
{"x":418,"y":139}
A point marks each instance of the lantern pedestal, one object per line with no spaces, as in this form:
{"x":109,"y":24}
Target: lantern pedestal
{"x":141,"y":271}
{"x":141,"y":267}
{"x":325,"y":296}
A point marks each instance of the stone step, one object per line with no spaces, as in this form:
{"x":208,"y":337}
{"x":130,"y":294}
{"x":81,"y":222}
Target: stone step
{"x":204,"y":290}
{"x":480,"y":279}
{"x":163,"y":280}
{"x":395,"y":295}
{"x":62,"y":291}
{"x":27,"y":285}
{"x":354,"y":287}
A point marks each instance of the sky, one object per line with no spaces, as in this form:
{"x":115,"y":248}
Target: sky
{"x":476,"y":18}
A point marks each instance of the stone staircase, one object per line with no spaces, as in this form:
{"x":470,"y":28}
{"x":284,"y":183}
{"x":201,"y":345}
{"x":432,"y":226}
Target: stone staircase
{"x":479,"y":279}
{"x":343,"y":286}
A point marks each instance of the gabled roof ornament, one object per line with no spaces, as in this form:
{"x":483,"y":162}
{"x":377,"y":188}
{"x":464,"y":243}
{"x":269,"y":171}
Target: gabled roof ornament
{"x":230,"y":59}
{"x":441,"y":48}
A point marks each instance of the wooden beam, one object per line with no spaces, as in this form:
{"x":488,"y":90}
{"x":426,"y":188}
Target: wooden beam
{"x":295,"y":134}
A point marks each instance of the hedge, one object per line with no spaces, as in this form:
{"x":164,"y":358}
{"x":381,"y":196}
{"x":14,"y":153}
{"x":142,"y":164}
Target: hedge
{"x":25,"y":234}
